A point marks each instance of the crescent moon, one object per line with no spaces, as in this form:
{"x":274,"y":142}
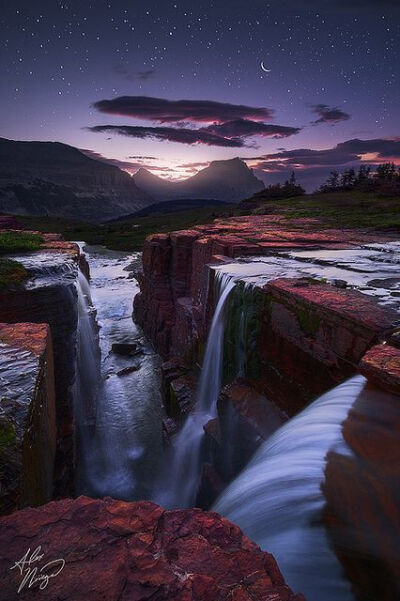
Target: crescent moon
{"x":264,"y":69}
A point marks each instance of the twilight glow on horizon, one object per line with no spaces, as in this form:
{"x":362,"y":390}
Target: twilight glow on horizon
{"x":310,"y":86}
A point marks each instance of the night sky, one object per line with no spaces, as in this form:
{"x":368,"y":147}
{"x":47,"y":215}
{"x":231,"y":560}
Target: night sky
{"x":173,"y":85}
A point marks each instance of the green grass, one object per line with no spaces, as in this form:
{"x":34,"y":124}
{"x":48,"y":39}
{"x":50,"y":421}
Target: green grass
{"x":12,"y":273}
{"x":340,"y":210}
{"x":12,"y":242}
{"x":343,"y":210}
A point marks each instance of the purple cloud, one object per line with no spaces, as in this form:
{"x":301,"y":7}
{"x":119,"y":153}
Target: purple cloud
{"x":182,"y":135}
{"x":174,"y":111}
{"x":243,"y":128}
{"x":332,"y":115}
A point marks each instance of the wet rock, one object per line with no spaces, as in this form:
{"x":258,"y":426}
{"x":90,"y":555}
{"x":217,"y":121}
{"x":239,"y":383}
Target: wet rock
{"x":362,"y":493}
{"x":312,"y":327}
{"x":135,"y":551}
{"x":128,"y":370}
{"x":27,"y":416}
{"x":125,"y":349}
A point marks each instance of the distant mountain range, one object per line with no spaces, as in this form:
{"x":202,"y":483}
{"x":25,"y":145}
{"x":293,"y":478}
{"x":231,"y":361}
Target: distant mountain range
{"x":50,"y":178}
{"x":229,"y":181}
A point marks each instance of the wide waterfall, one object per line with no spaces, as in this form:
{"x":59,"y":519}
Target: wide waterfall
{"x":277,"y":499}
{"x":180,"y":477}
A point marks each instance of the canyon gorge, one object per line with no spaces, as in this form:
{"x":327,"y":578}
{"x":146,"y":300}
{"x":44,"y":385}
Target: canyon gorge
{"x":258,"y":379}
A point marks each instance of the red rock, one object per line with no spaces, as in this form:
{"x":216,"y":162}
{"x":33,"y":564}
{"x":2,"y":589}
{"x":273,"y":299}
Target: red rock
{"x":117,"y":551}
{"x":381,"y":365}
{"x":27,"y":415}
{"x":362,"y":493}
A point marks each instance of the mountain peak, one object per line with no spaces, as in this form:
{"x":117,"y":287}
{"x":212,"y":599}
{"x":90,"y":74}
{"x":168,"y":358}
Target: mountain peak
{"x":226,"y":180}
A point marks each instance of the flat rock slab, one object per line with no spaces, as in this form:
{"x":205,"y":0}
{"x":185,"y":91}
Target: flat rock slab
{"x":134,"y":552}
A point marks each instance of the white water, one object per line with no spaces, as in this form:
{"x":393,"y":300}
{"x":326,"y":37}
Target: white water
{"x":181,"y":473}
{"x":88,"y":357}
{"x":277,"y":499}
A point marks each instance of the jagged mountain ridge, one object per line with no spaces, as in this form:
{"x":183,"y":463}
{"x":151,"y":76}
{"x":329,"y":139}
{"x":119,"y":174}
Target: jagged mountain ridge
{"x":227,"y":180}
{"x":51,"y":178}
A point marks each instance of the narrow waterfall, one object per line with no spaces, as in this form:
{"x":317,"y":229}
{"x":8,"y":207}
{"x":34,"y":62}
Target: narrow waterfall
{"x":87,"y":378}
{"x":88,"y":353}
{"x":277,"y":499}
{"x":180,"y":477}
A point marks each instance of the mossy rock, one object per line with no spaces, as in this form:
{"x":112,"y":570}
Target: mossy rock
{"x":309,"y":321}
{"x":12,"y":273}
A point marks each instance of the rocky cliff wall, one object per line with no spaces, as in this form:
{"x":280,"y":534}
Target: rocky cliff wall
{"x":362,"y":488}
{"x":302,"y":327}
{"x":49,"y":297}
{"x":27,"y":415}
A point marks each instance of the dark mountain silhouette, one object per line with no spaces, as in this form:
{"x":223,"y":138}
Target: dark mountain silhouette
{"x":50,"y":178}
{"x":174,"y":206}
{"x":229,"y":181}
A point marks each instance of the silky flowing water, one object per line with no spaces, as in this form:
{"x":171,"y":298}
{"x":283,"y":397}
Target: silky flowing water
{"x":180,"y":476}
{"x":120,"y":442}
{"x":277,"y":499}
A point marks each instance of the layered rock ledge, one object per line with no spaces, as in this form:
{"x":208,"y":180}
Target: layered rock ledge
{"x":49,"y":296}
{"x":27,"y":415}
{"x":119,"y":551}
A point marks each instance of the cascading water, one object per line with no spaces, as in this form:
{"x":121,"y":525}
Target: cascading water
{"x":277,"y":499}
{"x":88,"y":353}
{"x":180,"y":477}
{"x":87,"y":376}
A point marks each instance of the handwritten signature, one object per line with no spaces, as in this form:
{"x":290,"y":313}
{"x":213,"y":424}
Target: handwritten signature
{"x":34,"y":574}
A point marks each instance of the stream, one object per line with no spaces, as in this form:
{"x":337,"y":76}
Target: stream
{"x":120,"y":436}
{"x":277,"y":499}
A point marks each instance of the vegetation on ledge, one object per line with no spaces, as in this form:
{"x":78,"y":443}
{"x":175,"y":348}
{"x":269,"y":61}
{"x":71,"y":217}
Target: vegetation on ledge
{"x":341,"y":209}
{"x":12,"y":273}
{"x":15,"y":242}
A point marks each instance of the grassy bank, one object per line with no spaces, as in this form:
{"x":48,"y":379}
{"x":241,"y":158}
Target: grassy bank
{"x":11,"y":242}
{"x":347,"y":210}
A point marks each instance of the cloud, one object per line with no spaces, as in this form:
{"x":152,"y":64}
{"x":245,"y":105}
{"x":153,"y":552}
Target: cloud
{"x":193,"y":165}
{"x":182,"y":135}
{"x":352,"y":151}
{"x":332,"y":115}
{"x":134,"y":75}
{"x":174,"y":111}
{"x":143,"y":158}
{"x":243,"y":128}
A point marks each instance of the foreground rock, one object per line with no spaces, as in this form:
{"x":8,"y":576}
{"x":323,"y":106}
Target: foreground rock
{"x":133,"y":552}
{"x":49,"y":296}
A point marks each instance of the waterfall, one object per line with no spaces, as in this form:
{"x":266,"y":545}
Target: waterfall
{"x":88,"y":376}
{"x":277,"y":499}
{"x":180,"y":478}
